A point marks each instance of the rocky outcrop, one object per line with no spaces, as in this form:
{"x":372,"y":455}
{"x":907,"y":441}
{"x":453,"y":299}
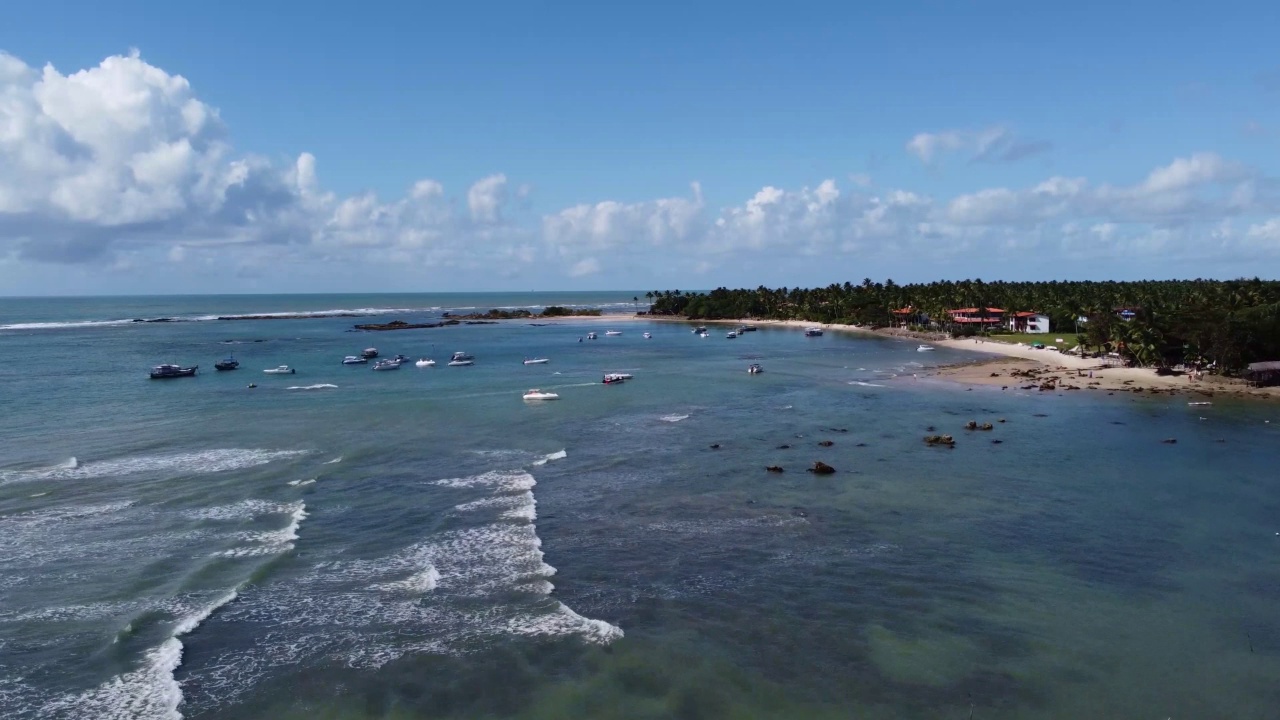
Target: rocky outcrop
{"x":945,"y":440}
{"x":821,"y":468}
{"x":826,"y":443}
{"x":399,"y":325}
{"x":774,"y":468}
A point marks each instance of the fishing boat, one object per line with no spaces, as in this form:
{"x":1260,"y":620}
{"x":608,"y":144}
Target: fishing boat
{"x":354,"y":360}
{"x":425,"y":362}
{"x":612,"y":332}
{"x":613,"y":378}
{"x":925,"y":348}
{"x":387,"y":365}
{"x":230,"y":363}
{"x":280,"y":370}
{"x":536,"y":394}
{"x":369,"y":353}
{"x":166,"y":371}
{"x":748,"y":328}
{"x":536,"y":361}
{"x":813,"y":332}
{"x":754,"y":369}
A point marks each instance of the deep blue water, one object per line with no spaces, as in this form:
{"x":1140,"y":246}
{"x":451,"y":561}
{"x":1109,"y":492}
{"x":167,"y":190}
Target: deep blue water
{"x":423,"y":543}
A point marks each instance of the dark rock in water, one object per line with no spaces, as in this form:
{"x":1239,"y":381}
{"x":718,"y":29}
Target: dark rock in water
{"x":996,"y":442}
{"x":1169,"y":441}
{"x":774,"y":468}
{"x":940,"y":440}
{"x":784,"y":447}
{"x":860,"y":445}
{"x":826,"y":443}
{"x":1040,"y":415}
{"x":397,"y":325}
{"x":930,"y":429}
{"x":987,"y":426}
{"x":971,"y":425}
{"x":751,"y":502}
{"x":821,"y":468}
{"x":1000,"y":420}
{"x":715,"y":446}
{"x":481,"y":322}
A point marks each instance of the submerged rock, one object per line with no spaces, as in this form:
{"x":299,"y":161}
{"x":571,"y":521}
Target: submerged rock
{"x":821,"y":468}
{"x":826,"y":443}
{"x":774,"y":468}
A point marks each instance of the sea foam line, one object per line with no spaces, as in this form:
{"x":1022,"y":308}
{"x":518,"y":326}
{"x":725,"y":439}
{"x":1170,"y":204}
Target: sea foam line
{"x":557,"y":455}
{"x":205,"y":461}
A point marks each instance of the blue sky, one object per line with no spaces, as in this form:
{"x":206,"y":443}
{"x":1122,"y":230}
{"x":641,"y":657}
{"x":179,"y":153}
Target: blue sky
{"x":998,"y":139}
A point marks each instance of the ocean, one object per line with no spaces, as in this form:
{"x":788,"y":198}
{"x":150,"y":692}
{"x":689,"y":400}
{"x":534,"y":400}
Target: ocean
{"x":346,"y":544}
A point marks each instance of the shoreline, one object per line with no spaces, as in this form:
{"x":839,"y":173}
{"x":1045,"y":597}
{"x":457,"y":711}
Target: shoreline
{"x":1015,"y":366}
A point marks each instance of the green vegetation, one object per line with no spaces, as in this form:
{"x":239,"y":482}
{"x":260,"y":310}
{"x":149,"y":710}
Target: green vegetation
{"x":1070,"y":339}
{"x":1226,"y":323}
{"x":558,"y":311}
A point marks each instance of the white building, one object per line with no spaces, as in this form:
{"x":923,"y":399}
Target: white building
{"x":1028,"y":322}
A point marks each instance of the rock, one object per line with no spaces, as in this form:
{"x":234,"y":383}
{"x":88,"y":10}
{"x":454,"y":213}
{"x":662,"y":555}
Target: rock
{"x":826,"y":443}
{"x":930,"y":429}
{"x":774,"y":468}
{"x":715,"y":446}
{"x":939,"y":440}
{"x":987,"y":426}
{"x":860,"y":445}
{"x":784,"y":447}
{"x":971,"y":425}
{"x":1000,"y":420}
{"x":1169,"y":441}
{"x":821,"y":468}
{"x":996,"y":442}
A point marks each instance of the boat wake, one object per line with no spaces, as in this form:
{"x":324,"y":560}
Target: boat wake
{"x":558,"y":455}
{"x":334,"y":461}
{"x":673,"y":418}
{"x":297,"y":483}
{"x":320,"y":386}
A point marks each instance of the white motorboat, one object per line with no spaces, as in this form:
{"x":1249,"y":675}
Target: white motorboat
{"x":648,"y":336}
{"x":612,"y":378}
{"x":612,"y":332}
{"x":536,"y":361}
{"x":354,"y":360}
{"x":461,"y":363}
{"x":536,"y":394}
{"x":370,"y":353}
{"x":1195,"y":404}
{"x":754,"y":369}
{"x":387,"y":365}
{"x":703,"y":334}
{"x":462,"y":356}
{"x":700,"y":329}
{"x":925,"y":348}
{"x":731,"y":334}
{"x":425,"y":362}
{"x":591,"y":336}
{"x":281,"y":370}
{"x":813,"y":332}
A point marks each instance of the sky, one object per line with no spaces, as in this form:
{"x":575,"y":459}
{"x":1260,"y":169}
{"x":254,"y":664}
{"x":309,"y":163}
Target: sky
{"x":151,"y":147}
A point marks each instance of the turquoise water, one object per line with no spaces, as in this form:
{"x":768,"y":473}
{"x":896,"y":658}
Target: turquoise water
{"x":424,"y":544}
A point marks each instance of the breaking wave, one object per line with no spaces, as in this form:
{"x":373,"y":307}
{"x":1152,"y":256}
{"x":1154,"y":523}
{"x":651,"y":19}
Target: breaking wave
{"x":206,"y":461}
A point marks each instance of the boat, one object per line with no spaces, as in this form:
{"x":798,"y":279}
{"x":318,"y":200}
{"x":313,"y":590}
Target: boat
{"x":612,"y":332}
{"x":648,"y":336}
{"x":612,"y":378}
{"x":813,"y":332}
{"x":166,"y":371}
{"x":354,"y":360}
{"x":536,"y":394}
{"x":280,"y":370}
{"x":731,"y":334}
{"x":925,"y":348}
{"x":1203,"y":402}
{"x":700,"y":329}
{"x":754,"y":369}
{"x":748,"y":328}
{"x":369,"y":353}
{"x":425,"y":362}
{"x":591,"y":336}
{"x":401,"y":359}
{"x":230,"y":363}
{"x":462,"y":356}
{"x":536,"y":361}
{"x":624,"y":376}
{"x":387,"y":365}
{"x":703,"y":334}
{"x":461,"y":363}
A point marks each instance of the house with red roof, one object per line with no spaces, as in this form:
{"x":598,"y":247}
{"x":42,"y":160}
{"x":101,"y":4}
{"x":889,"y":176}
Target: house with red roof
{"x":981,"y":317}
{"x":1028,"y":322}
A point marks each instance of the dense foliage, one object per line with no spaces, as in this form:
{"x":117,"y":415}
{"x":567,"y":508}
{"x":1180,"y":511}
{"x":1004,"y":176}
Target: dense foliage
{"x":1230,"y":323}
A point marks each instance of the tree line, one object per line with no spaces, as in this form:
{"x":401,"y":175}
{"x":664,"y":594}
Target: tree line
{"x":1224,"y":323}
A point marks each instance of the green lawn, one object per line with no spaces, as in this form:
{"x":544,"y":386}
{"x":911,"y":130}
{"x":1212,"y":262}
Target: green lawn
{"x":1028,"y":338}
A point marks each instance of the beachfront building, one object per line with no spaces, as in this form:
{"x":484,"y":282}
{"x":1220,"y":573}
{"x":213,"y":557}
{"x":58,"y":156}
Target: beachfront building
{"x":977,"y":317}
{"x":1028,"y":322}
{"x":908,"y":315}
{"x":1263,"y":373}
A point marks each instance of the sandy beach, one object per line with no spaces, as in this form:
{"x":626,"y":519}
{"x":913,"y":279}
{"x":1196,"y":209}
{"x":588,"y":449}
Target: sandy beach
{"x":1019,"y":366}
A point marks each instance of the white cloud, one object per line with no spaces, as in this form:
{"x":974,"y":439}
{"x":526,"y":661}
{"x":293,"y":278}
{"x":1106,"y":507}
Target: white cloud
{"x":485,"y":198}
{"x":585,"y":266}
{"x":992,"y":144}
{"x":610,"y":223}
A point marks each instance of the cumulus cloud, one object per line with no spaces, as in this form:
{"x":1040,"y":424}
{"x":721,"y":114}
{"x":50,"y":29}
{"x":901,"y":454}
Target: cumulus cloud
{"x":996,"y":144}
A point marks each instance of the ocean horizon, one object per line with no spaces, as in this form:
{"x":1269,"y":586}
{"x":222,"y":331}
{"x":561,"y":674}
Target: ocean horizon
{"x":424,"y":543}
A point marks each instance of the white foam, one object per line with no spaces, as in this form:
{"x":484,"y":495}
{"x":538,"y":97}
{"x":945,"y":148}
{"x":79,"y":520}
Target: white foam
{"x":206,"y":461}
{"x":297,"y":483}
{"x":272,"y":542}
{"x":558,"y":455}
{"x":500,"y":480}
{"x":150,"y":692}
{"x":319,"y":386}
{"x":243,"y":510}
{"x":334,"y":461}
{"x":673,"y":418}
{"x":419,"y":583}
{"x":864,"y":384}
{"x":564,"y":621}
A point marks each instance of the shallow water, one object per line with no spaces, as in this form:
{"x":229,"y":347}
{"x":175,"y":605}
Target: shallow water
{"x":424,"y":544}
